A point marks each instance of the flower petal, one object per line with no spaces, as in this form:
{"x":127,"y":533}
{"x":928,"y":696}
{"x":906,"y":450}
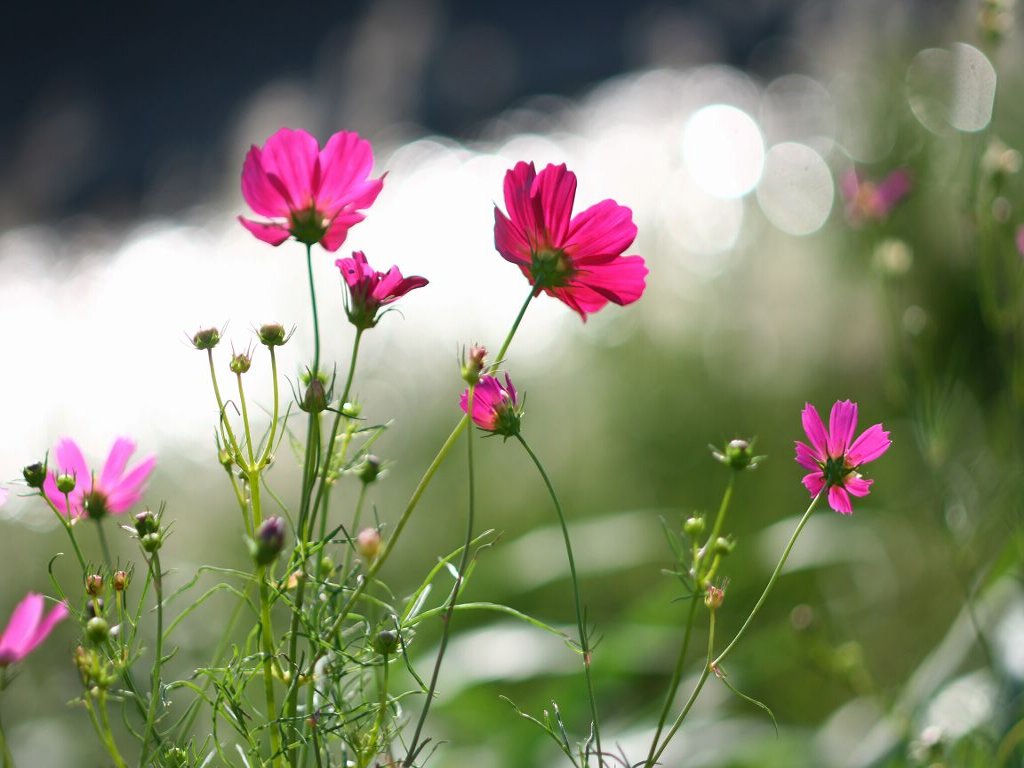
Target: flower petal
{"x":807,"y":457}
{"x":117,"y":460}
{"x":858,"y":486}
{"x":814,"y":482}
{"x":345,"y":163}
{"x":291,"y":156}
{"x":510,"y":241}
{"x":872,"y":443}
{"x":129,"y":489}
{"x":814,"y":428}
{"x":600,"y":233}
{"x":555,"y":186}
{"x":892,"y":189}
{"x":57,"y":614}
{"x":261,"y":195}
{"x":841,"y":424}
{"x":275,"y":234}
{"x":338,"y":229}
{"x":71,"y":461}
{"x":839,"y":500}
{"x":522,"y":209}
{"x":21,"y":627}
{"x":621,"y":280}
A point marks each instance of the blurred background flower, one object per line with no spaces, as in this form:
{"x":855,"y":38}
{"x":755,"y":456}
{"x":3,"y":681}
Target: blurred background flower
{"x":895,"y":635}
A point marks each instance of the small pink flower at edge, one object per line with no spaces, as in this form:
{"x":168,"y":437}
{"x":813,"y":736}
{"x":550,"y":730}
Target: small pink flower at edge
{"x":369,"y":290}
{"x":577,"y":259}
{"x":314,"y":195}
{"x":495,"y":406}
{"x":835,"y":458}
{"x":113,"y":491}
{"x":868,"y":201}
{"x":27,"y":628}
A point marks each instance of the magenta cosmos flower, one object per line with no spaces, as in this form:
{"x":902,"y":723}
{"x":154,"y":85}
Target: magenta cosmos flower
{"x":834,"y":457}
{"x":314,"y":195}
{"x":868,"y":201}
{"x":496,"y":406}
{"x":369,"y":290}
{"x":28,"y":628}
{"x":112,"y":492}
{"x":577,"y":259}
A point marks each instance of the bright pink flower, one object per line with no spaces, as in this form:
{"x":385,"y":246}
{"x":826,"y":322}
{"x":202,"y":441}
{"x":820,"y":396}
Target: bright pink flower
{"x":577,"y":259}
{"x":369,"y":290}
{"x":868,"y":201}
{"x":112,"y":492}
{"x":495,"y":406}
{"x":315,"y":195}
{"x":835,"y":458}
{"x":28,"y":628}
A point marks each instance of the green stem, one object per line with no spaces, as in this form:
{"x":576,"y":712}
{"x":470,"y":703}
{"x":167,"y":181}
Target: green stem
{"x":103,"y":544}
{"x":225,"y":423}
{"x":716,"y":529}
{"x":316,"y":319}
{"x":108,"y":735}
{"x":4,"y":749}
{"x":66,"y":524}
{"x":354,"y":531}
{"x":381,"y":712}
{"x":708,"y":667}
{"x":771,"y":581}
{"x":277,"y":409}
{"x":584,"y":640}
{"x":267,"y":641}
{"x":154,"y":698}
{"x":500,"y":357}
{"x":447,"y":620}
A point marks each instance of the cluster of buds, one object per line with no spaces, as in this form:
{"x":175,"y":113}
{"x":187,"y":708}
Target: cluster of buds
{"x":147,"y":528}
{"x":94,"y":670}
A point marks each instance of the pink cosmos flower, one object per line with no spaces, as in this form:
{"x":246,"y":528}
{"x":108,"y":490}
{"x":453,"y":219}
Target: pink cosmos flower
{"x":577,"y":259}
{"x":369,"y":290}
{"x":835,"y":458}
{"x":28,"y":628}
{"x":868,"y":201}
{"x":314,"y":195}
{"x":112,"y":492}
{"x":495,"y":406}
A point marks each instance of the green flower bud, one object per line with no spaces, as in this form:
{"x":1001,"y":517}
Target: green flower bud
{"x":97,"y":629}
{"x":315,"y":400}
{"x":94,"y":584}
{"x":34,"y":474}
{"x":152,"y":542}
{"x":240,"y":363}
{"x":146,"y":522}
{"x":269,"y":541}
{"x":207,"y":338}
{"x":738,"y":454}
{"x":273,"y":335}
{"x":386,"y":642}
{"x":326,"y":567}
{"x":370,"y":469}
{"x":65,"y":482}
{"x":474,"y":365}
{"x":694,"y":526}
{"x":722,"y":546}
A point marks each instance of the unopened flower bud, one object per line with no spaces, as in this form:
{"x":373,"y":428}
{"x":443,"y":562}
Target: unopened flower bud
{"x":97,"y":629}
{"x":326,"y":567}
{"x":94,"y":584}
{"x":368,"y":543}
{"x":269,"y":541}
{"x":94,"y":607}
{"x":151,"y":542}
{"x":714,"y":597}
{"x":694,"y":526}
{"x":34,"y":474}
{"x":224,"y":457}
{"x":146,"y":523}
{"x":386,"y":642}
{"x":722,"y":546}
{"x":370,"y":469}
{"x":240,"y":363}
{"x":207,"y":338}
{"x":473,"y":367}
{"x":121,"y":579}
{"x":351,"y":410}
{"x":273,"y":335}
{"x":315,"y":400}
{"x":738,"y":454}
{"x":65,"y":482}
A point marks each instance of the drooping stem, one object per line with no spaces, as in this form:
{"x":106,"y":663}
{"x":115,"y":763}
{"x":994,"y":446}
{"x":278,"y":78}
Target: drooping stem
{"x":773,"y":579}
{"x":414,"y":746}
{"x":585,"y":647}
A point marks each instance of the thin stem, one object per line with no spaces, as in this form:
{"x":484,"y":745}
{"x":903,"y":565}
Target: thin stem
{"x":708,"y":667}
{"x":584,"y":640}
{"x":103,"y":544}
{"x":154,"y":700}
{"x":108,"y":734}
{"x":277,"y":408}
{"x":4,"y":749}
{"x":772,"y":580}
{"x":447,"y":620}
{"x":249,"y":448}
{"x":381,"y":712}
{"x":225,"y":423}
{"x":267,"y":641}
{"x":66,"y":524}
{"x":500,"y":357}
{"x":354,"y":531}
{"x":316,"y":319}
{"x":716,"y":528}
